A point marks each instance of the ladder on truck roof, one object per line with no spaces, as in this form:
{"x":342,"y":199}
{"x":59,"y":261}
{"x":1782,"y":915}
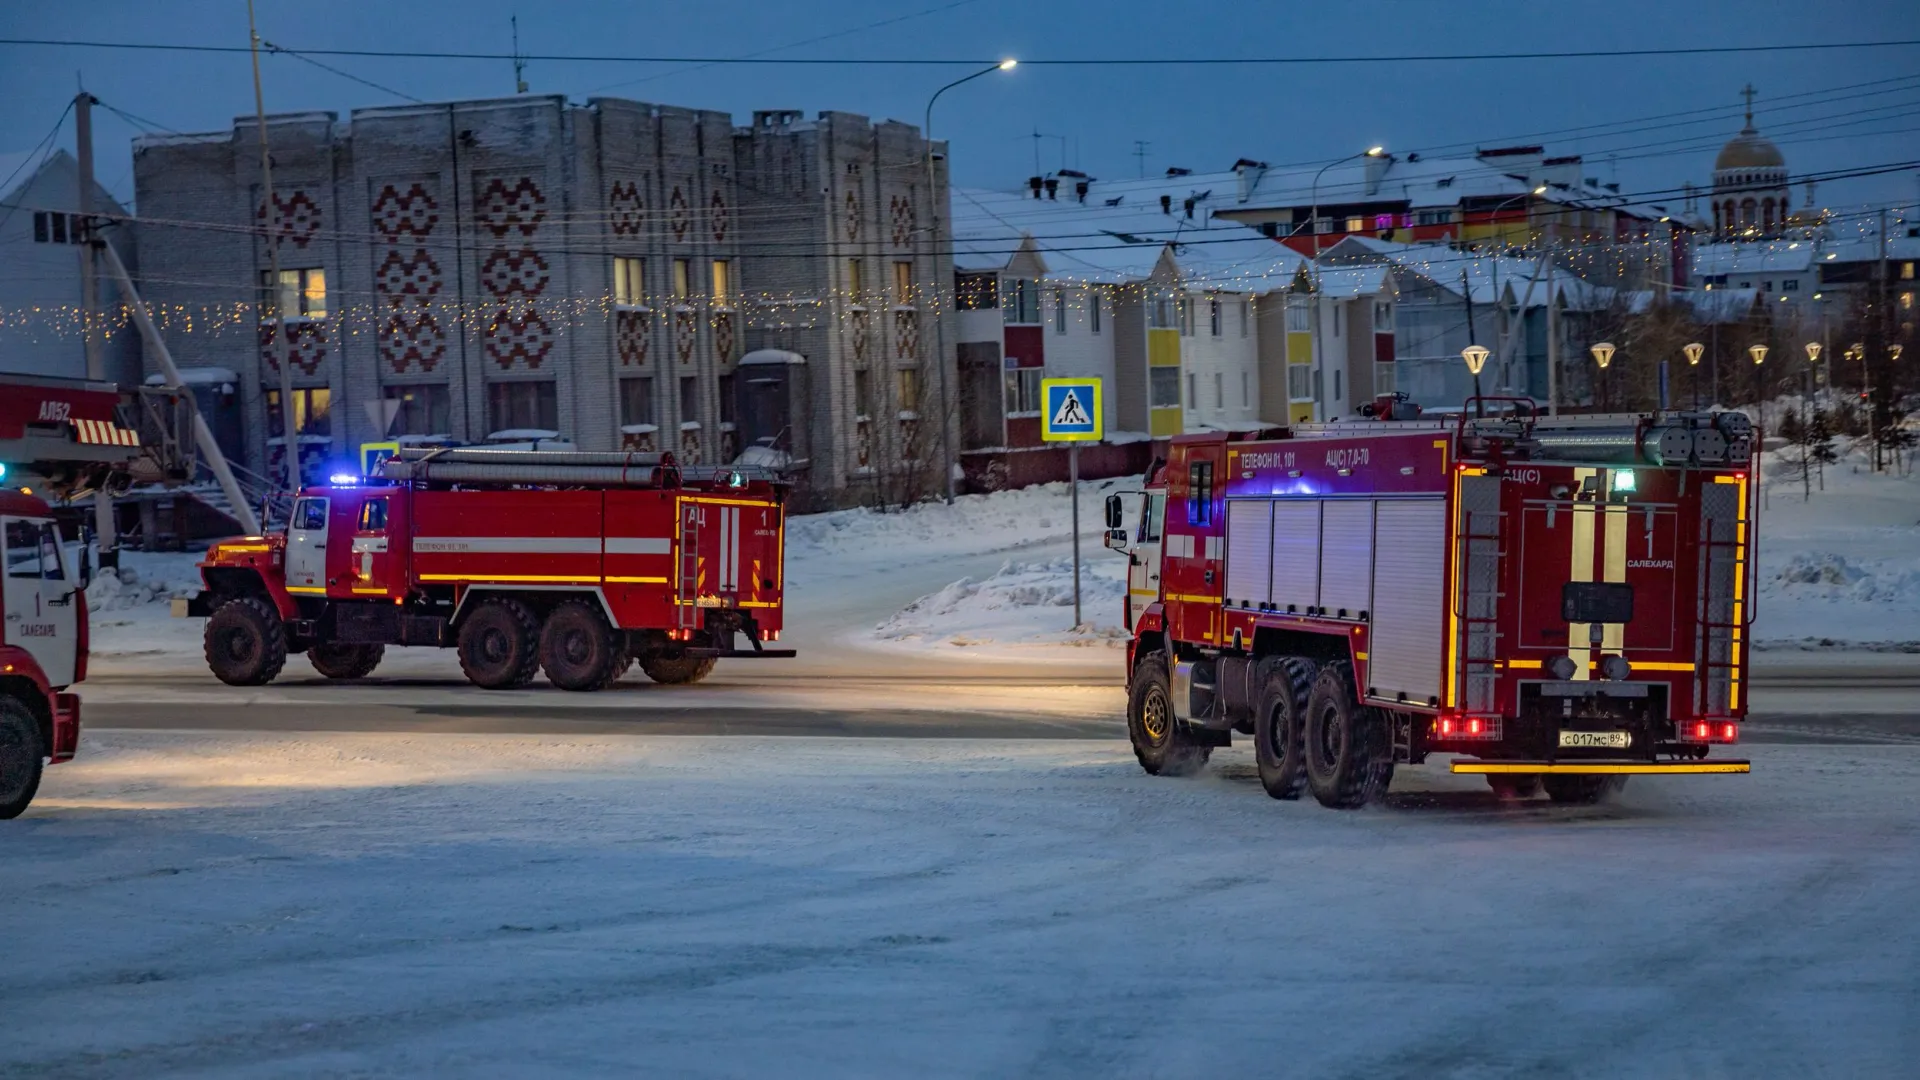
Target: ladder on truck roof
{"x":686,"y":569}
{"x":1479,"y":531}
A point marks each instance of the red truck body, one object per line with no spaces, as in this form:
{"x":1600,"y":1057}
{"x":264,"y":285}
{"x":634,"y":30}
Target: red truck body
{"x":673,"y":567}
{"x":1564,"y":601}
{"x":43,"y":648}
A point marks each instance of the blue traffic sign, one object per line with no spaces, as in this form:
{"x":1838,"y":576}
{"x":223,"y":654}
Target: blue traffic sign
{"x":1070,"y":410}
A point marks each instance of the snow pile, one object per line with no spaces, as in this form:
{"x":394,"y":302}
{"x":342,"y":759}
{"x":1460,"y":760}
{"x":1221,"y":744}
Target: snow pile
{"x":1001,"y":521}
{"x":1023,"y":603}
{"x":143,"y":579}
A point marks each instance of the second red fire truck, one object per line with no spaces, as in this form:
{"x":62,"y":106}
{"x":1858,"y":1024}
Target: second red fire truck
{"x":574,"y":563}
{"x":1563,"y":602}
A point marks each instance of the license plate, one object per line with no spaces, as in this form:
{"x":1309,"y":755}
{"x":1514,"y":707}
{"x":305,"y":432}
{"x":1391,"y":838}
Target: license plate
{"x":1597,"y":740}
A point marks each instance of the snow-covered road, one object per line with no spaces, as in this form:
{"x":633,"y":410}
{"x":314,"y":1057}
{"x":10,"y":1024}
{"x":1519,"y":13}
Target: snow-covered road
{"x":377,"y":905}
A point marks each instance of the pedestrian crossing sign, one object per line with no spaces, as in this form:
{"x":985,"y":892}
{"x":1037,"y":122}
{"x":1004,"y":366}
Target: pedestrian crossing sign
{"x":1070,"y":410}
{"x":373,"y":453}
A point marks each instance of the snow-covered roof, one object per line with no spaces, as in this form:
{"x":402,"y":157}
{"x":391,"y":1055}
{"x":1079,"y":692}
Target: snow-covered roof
{"x":198,"y":376}
{"x":771,"y":356}
{"x":1485,"y":278}
{"x":1347,"y":282}
{"x":1799,"y":255}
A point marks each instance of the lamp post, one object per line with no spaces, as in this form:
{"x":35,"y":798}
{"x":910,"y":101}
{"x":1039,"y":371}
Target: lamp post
{"x":1476,"y":358}
{"x":947,"y":457}
{"x":1692,"y":350}
{"x":1806,"y":423}
{"x":1603,"y":355}
{"x":1313,"y":221}
{"x":1493,"y":216}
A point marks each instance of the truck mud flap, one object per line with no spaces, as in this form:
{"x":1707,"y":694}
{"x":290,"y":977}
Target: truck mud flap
{"x":743,"y":654}
{"x":1606,"y":768}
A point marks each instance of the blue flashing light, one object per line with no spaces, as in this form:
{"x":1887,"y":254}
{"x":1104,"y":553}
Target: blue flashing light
{"x":343,"y":480}
{"x":3,"y":470}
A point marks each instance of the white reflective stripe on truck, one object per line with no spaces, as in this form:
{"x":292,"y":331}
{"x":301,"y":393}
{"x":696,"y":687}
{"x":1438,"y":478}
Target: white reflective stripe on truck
{"x":507,"y":545}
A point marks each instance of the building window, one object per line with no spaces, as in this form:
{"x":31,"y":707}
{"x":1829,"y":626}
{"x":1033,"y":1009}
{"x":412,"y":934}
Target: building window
{"x":1246,"y":397}
{"x":1356,"y":224}
{"x":1160,"y":312}
{"x":629,"y":281}
{"x":1059,"y":311}
{"x":636,"y":401}
{"x":903,"y":283}
{"x":1163,"y":388}
{"x":1023,"y":391}
{"x":728,"y":405}
{"x":1219,"y":390}
{"x":1299,"y":382}
{"x":1906,"y":271}
{"x":1193,"y":391}
{"x":1093,"y":310}
{"x":907,"y":388}
{"x":1337,"y":395}
{"x":514,"y":406}
{"x":1184,"y":307}
{"x":1023,"y":306}
{"x":862,"y":393}
{"x":689,"y":399}
{"x":1298,"y":320}
{"x":1790,"y":285}
{"x":856,"y":282}
{"x":1246,"y":315}
{"x":1200,"y":493}
{"x":1213,"y":316}
{"x":425,"y":409}
{"x":1434,"y":217}
{"x":976,"y":292}
{"x":1382,"y":317}
{"x":312,"y":409}
{"x":302,"y":294}
{"x":1339,"y":310}
{"x":722,"y":283}
{"x":1766,"y":286}
{"x":682,"y":280}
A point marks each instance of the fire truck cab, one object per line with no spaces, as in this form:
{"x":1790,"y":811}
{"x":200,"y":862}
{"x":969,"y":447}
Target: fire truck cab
{"x":1560,"y":601}
{"x":43,"y":648}
{"x":576,"y":563}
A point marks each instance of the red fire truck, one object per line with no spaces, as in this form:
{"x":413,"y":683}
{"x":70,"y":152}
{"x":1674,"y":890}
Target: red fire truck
{"x":1561,"y":601}
{"x":578,"y":563}
{"x":43,"y":649}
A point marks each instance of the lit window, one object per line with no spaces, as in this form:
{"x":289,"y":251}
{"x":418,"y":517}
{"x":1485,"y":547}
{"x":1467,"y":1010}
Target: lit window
{"x":907,"y":388}
{"x":856,"y":281}
{"x":312,"y":409}
{"x":302,"y":294}
{"x":903,"y":284}
{"x":682,"y":279}
{"x":629,"y":278}
{"x":1356,"y":224}
{"x":722,"y":283}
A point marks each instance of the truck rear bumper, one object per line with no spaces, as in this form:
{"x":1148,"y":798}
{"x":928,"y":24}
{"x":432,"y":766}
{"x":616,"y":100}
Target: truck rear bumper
{"x":1609,"y":768}
{"x":66,"y":727}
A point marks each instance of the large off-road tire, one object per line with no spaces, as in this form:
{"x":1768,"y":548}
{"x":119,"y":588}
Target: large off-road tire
{"x":1348,"y":746}
{"x":337,"y":661}
{"x":1582,"y":790}
{"x":246,"y":643}
{"x":499,"y":644}
{"x":1280,"y":725}
{"x":1509,"y":787}
{"x":1163,"y":744}
{"x":578,"y":649}
{"x":671,"y":670}
{"x":21,"y":757}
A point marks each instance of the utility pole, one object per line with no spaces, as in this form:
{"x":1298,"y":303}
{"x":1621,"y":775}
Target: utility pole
{"x":519,"y":62}
{"x":1140,"y":155}
{"x":1882,"y":333}
{"x":104,"y":526}
{"x":290,"y":439}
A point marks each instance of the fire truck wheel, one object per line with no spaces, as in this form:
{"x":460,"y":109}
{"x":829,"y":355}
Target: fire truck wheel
{"x":498,"y":644}
{"x":1582,"y":790}
{"x":1347,"y":744}
{"x":578,"y":649}
{"x":671,"y":670}
{"x":345,"y":661}
{"x":246,"y":642}
{"x":1162,"y":743}
{"x":1279,"y":725}
{"x":1511,"y":786}
{"x":20,"y":757}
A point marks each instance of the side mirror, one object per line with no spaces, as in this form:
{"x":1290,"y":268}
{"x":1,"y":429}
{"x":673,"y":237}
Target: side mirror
{"x":89,"y":555}
{"x":1116,"y":539}
{"x":1114,"y":513}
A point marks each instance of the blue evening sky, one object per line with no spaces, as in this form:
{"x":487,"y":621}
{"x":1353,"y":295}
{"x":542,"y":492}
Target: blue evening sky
{"x":1193,"y":116}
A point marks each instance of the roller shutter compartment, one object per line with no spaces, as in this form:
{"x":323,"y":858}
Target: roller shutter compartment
{"x":1409,"y":599}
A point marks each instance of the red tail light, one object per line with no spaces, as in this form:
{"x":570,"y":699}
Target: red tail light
{"x":1467,"y":727}
{"x":1710,"y":731}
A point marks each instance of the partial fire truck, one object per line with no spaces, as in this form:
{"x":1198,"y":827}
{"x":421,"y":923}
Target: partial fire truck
{"x":43,"y":648}
{"x":1561,"y":601}
{"x":573,"y":562}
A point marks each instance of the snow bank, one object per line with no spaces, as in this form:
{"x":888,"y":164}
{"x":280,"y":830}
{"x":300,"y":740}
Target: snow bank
{"x":1023,"y":603}
{"x":973,"y":525}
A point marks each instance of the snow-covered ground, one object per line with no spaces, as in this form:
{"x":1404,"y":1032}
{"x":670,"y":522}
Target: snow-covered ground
{"x":380,"y":905}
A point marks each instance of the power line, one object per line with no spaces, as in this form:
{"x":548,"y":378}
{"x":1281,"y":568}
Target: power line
{"x":305,"y":59}
{"x":39,"y":151}
{"x":1213,"y":61}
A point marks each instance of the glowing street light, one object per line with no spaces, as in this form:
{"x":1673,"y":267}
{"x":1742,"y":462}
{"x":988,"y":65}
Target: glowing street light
{"x":1813,"y":352}
{"x":1693,"y":350}
{"x":1603,"y":353}
{"x":1758,"y":352}
{"x":1476,"y":357}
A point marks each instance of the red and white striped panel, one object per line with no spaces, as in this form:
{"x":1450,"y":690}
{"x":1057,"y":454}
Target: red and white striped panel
{"x":105,"y":433}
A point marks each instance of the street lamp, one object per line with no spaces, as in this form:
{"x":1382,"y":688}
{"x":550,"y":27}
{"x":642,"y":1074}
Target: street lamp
{"x":1603,"y":355}
{"x":1493,"y":216}
{"x":939,"y":304}
{"x":1693,"y":350}
{"x":1314,"y":215}
{"x":1476,"y":358}
{"x":1759,"y":354}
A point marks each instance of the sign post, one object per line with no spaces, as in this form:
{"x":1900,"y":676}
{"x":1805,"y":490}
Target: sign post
{"x":1071,"y":413}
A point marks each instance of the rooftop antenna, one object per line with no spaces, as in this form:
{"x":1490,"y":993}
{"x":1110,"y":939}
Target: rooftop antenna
{"x":1037,"y":136}
{"x":1140,"y":153}
{"x":519,"y":62}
